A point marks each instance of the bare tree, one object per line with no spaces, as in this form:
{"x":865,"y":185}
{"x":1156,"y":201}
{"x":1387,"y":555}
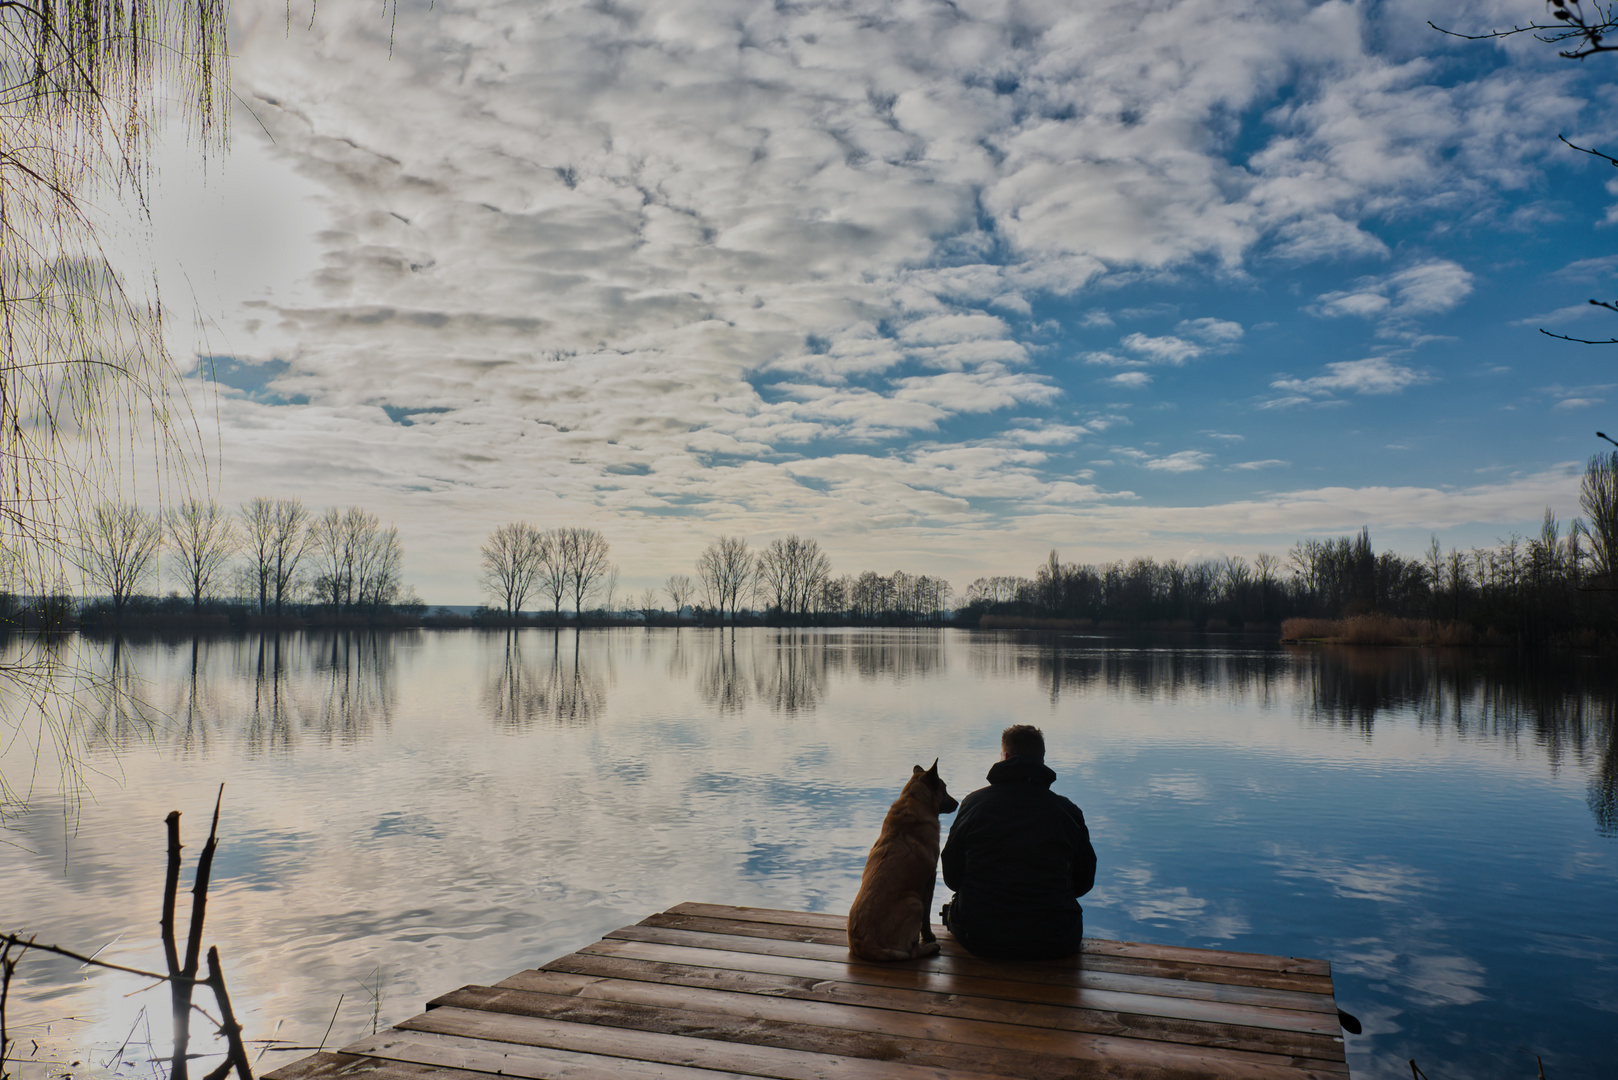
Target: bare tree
{"x":1266,"y":569}
{"x":511,"y":565}
{"x":553,"y":566}
{"x":258,"y":528}
{"x":288,"y":542}
{"x":584,"y":552}
{"x":680,"y":588}
{"x":725,"y":569}
{"x":117,"y":550}
{"x":358,"y":560}
{"x":648,"y":605}
{"x":790,"y":572}
{"x":204,"y":539}
{"x":378,"y":564}
{"x":276,"y":541}
{"x":329,"y":547}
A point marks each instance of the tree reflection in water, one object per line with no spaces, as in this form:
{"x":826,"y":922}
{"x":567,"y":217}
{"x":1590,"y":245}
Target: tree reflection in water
{"x":121,"y":714}
{"x":791,"y":670}
{"x":1563,"y":703}
{"x":560,"y":685}
{"x":721,"y":679}
{"x":359,"y":691}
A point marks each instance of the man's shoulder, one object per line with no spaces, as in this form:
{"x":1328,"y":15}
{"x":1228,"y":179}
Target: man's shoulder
{"x":972,"y":798}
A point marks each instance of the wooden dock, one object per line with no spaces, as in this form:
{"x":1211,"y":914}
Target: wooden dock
{"x":705,"y":992}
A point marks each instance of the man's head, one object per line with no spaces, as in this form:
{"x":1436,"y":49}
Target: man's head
{"x":1022,"y":740}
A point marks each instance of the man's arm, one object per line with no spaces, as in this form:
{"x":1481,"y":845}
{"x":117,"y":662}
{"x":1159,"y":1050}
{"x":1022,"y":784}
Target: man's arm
{"x":1084,"y":855}
{"x":954,"y":854}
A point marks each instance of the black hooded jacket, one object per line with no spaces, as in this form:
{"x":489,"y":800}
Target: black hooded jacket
{"x":1018,"y":858}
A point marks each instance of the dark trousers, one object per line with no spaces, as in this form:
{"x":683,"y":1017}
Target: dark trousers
{"x":1013,"y":937}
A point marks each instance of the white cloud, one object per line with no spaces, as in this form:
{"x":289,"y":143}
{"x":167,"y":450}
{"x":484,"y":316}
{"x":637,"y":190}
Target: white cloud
{"x":1559,"y":317}
{"x":1267,"y":463}
{"x":1211,"y":330}
{"x":1162,"y":350}
{"x":1375,"y":375}
{"x":1111,"y":359}
{"x":1597,"y":269}
{"x":1180,"y":461}
{"x":1428,"y":288}
{"x":1132,"y":380}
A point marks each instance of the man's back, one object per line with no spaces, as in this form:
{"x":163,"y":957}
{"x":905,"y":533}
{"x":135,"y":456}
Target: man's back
{"x":1018,"y":857}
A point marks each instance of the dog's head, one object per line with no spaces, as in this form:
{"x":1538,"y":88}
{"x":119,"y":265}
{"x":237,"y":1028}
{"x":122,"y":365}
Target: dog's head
{"x":933,"y":784}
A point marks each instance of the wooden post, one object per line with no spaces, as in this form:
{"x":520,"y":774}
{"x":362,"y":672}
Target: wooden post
{"x":179,"y":990}
{"x":184,"y":978}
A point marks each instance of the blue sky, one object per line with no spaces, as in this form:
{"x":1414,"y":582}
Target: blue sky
{"x":942,"y":285}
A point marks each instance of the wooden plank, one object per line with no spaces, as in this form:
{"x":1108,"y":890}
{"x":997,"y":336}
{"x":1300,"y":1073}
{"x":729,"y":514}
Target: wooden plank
{"x":931,"y":1003}
{"x":330,"y":1066}
{"x":444,"y":1055}
{"x":746,"y":1059}
{"x":951,"y":1043}
{"x":956,"y":961}
{"x":1193,"y":972}
{"x":1258,"y":961}
{"x":822,"y":919}
{"x":1092,"y":961}
{"x":320,"y":1064}
{"x":915,"y":975}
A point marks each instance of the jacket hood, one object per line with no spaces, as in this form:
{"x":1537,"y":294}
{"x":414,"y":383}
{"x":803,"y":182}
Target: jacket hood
{"x":1021,"y":770}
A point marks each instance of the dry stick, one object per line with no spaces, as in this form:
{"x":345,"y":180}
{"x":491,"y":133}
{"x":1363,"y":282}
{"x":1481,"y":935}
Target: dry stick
{"x":179,"y":992}
{"x":8,"y":966}
{"x":228,"y":1027}
{"x":30,"y":943}
{"x":193,"y":945}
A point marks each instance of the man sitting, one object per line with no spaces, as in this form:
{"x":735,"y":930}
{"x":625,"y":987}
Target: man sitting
{"x":1018,"y":857}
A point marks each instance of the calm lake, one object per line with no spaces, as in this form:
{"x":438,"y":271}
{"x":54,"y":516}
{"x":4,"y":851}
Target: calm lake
{"x":410,"y":812}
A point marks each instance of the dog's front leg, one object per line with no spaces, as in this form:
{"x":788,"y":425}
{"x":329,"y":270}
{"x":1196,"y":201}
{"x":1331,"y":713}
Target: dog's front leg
{"x":927,"y":935}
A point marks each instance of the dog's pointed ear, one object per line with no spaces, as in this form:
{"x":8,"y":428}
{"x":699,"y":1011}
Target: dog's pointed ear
{"x":933,"y":771}
{"x":915,"y":770}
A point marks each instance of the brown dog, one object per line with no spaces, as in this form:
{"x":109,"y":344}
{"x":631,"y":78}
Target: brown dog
{"x":890,"y":916}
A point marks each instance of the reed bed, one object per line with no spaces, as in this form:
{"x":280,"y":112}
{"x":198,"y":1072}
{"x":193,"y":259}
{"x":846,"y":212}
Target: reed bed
{"x":1373,"y":629}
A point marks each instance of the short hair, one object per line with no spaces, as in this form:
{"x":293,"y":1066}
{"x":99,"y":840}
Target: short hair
{"x":1023,"y":740}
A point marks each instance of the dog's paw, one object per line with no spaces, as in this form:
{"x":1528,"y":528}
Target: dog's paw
{"x":924,"y":949}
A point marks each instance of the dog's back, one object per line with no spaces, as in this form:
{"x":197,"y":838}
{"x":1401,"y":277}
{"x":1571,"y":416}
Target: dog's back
{"x":890,"y":916}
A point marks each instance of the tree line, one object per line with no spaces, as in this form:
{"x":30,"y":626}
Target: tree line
{"x":270,"y":557}
{"x":1556,"y":585}
{"x":788,"y":581}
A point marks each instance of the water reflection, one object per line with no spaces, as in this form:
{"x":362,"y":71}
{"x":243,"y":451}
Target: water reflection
{"x":1562,"y":704}
{"x":1566,"y":705}
{"x":789,"y":671}
{"x":722,"y":672}
{"x":1067,"y":665}
{"x":341,"y":685}
{"x":546,"y":676}
{"x":453,"y":805}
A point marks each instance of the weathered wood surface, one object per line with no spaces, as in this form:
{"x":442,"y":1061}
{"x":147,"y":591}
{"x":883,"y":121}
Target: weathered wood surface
{"x":708,"y":992}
